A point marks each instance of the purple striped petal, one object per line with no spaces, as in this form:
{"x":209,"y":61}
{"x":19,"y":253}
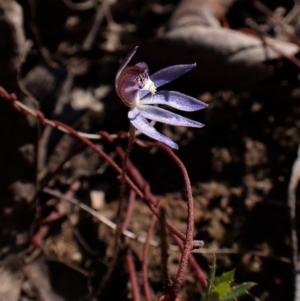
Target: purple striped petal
{"x":175,"y":100}
{"x":141,"y":123}
{"x":161,"y":115}
{"x":169,"y":74}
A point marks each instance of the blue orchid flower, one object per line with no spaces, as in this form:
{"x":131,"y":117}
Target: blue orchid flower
{"x":138,"y":91}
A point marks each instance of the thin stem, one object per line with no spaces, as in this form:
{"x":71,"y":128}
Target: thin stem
{"x":124,"y":169}
{"x":119,"y":217}
{"x":132,"y":275}
{"x":145,"y":258}
{"x":129,"y":212}
{"x":101,"y":154}
{"x":188,"y":242}
{"x":193,"y":263}
{"x":164,"y":251}
{"x":149,"y":199}
{"x":22,"y":108}
{"x":129,"y":258}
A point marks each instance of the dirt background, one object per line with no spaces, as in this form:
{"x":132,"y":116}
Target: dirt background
{"x":61,"y":57}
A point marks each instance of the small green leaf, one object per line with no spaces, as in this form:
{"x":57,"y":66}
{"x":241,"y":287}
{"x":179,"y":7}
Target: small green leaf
{"x":210,"y":280}
{"x":222,"y":289}
{"x":226,"y":277}
{"x":238,"y":291}
{"x":211,"y":276}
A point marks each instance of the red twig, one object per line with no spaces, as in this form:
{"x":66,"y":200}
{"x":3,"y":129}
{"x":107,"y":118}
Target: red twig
{"x":188,"y":242}
{"x":130,"y":207}
{"x":119,"y":217}
{"x":101,"y":154}
{"x":151,"y":202}
{"x":9,"y":97}
{"x":20,"y":107}
{"x":132,"y":275}
{"x":129,"y":258}
{"x":123,"y":184}
{"x":148,"y":197}
{"x":39,"y":236}
{"x":193,"y":263}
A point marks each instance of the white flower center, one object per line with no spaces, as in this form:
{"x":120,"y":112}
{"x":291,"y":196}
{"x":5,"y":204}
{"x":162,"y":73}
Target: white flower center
{"x":149,"y":86}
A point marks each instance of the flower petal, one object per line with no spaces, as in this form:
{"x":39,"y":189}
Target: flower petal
{"x":124,"y":64}
{"x":175,"y":100}
{"x":142,"y":124}
{"x":169,"y":74}
{"x":161,"y":115}
{"x":143,"y":65}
